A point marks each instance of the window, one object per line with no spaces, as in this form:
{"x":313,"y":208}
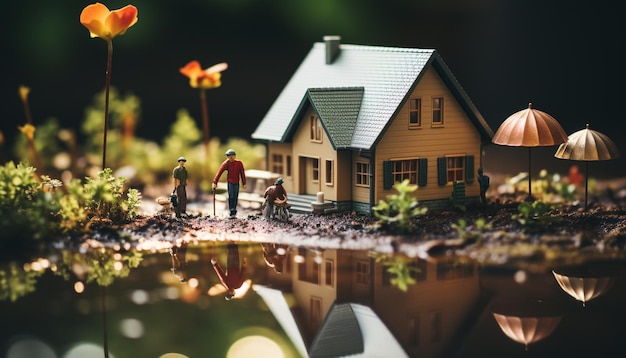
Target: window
{"x":329,"y":269}
{"x":414,"y":330}
{"x":438,"y":110}
{"x":415,"y":170}
{"x":315,"y":169}
{"x":436,"y":326}
{"x":316,"y":311}
{"x":316,"y":129}
{"x":455,"y":167}
{"x":405,"y":169}
{"x":277,"y":163}
{"x":288,"y":172}
{"x":362,"y":272}
{"x":329,"y":172}
{"x":362,"y":176}
{"x":308,"y":269}
{"x":415,"y":112}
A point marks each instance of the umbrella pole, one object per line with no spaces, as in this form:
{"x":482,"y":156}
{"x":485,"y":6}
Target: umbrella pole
{"x":586,"y":179}
{"x":530,"y":187}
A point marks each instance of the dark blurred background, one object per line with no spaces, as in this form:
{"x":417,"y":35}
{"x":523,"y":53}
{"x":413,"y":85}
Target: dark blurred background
{"x":563,"y":56}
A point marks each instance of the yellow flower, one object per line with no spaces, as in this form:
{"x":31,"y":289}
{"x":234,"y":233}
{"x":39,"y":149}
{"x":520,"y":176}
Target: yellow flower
{"x":24,"y":91}
{"x":106,"y":24}
{"x":28,"y":130}
{"x":199,"y":78}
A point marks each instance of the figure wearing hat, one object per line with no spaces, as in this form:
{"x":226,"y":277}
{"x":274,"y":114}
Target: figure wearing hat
{"x":180,"y":183}
{"x":235,"y":173}
{"x":274,"y":194}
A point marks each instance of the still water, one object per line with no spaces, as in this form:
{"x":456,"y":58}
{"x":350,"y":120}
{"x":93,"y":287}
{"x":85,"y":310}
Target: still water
{"x":96,"y":301}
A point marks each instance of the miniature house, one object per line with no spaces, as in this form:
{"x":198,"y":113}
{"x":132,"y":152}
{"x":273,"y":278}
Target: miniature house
{"x":353,"y":120}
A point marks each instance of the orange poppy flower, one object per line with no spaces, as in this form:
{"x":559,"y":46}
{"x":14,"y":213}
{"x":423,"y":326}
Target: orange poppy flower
{"x":106,"y":24}
{"x":199,"y":78}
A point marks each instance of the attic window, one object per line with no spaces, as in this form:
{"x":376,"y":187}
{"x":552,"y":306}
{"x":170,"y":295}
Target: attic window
{"x":438,"y":111}
{"x":316,"y":129}
{"x":415,"y":112}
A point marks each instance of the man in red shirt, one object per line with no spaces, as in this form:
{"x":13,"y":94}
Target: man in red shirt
{"x":235,"y":172}
{"x":234,"y":276}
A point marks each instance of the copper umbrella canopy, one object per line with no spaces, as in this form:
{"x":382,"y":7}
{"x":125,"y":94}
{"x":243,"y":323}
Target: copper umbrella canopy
{"x":530,"y":128}
{"x":587,"y":145}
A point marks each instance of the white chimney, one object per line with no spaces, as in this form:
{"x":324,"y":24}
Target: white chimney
{"x":332,"y":47}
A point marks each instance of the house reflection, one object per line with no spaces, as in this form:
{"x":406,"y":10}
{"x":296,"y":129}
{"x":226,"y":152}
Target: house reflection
{"x":424,"y":319}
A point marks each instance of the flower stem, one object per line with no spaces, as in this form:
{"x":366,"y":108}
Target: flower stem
{"x":205,"y":126}
{"x":106,"y":101}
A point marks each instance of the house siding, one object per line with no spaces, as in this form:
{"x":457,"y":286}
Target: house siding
{"x":457,"y":136}
{"x":286,"y":150}
{"x":303,"y":147}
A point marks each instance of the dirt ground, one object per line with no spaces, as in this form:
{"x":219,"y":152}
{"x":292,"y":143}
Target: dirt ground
{"x":571,"y":235}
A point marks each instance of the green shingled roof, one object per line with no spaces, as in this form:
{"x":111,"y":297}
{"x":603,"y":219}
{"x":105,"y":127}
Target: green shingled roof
{"x":338,"y":109}
{"x":385,"y":76}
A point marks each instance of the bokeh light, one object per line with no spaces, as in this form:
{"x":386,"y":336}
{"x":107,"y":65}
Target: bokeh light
{"x":255,"y":346}
{"x":132,"y":328}
{"x":30,"y":347}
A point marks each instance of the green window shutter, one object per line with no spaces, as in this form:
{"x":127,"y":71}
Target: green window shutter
{"x":469,"y":169}
{"x":423,"y":174}
{"x":442,"y":175}
{"x":387,"y":174}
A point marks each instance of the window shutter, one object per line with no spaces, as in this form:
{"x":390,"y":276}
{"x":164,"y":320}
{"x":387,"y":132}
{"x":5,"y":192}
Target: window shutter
{"x":469,"y":169}
{"x":387,"y":174}
{"x":423,"y":174}
{"x":442,"y":175}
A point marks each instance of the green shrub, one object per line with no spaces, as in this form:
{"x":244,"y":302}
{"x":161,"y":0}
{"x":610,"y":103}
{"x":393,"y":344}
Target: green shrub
{"x":399,"y":208}
{"x":27,"y":207}
{"x":99,"y":199}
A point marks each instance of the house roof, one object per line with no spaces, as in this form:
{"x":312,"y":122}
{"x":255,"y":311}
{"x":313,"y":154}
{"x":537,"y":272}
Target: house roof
{"x":386,"y":76}
{"x":338,"y":110}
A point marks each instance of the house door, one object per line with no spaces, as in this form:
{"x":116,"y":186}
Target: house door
{"x":310,"y":175}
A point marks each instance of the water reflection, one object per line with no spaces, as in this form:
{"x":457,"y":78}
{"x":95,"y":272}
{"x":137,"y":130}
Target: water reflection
{"x":301,"y":301}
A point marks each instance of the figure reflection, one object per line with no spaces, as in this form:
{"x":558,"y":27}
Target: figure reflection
{"x":274,"y":256}
{"x":178,"y":252}
{"x":234,"y":276}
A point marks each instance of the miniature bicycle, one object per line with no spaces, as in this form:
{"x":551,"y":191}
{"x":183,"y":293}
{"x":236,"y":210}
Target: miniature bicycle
{"x":281,"y":210}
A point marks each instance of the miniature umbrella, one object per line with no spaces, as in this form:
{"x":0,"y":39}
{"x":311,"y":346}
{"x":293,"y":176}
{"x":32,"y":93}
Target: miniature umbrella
{"x":530,"y":128}
{"x":587,"y":145}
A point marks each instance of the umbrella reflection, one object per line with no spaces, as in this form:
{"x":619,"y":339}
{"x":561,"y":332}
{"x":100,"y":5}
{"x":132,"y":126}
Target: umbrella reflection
{"x":526,"y":322}
{"x":583,"y":285}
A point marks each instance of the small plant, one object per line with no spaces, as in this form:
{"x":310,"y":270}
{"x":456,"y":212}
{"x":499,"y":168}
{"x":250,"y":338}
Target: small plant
{"x":401,"y":268}
{"x":472,"y":232}
{"x":27,"y":206}
{"x":399,"y":209}
{"x":535,"y":214}
{"x":99,"y":199}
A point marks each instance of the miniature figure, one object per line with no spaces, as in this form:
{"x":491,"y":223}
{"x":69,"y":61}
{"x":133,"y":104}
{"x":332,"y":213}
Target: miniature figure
{"x":235,"y":172}
{"x":181,"y":179}
{"x":234,"y":276}
{"x":274,"y":195}
{"x":483,"y":181}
